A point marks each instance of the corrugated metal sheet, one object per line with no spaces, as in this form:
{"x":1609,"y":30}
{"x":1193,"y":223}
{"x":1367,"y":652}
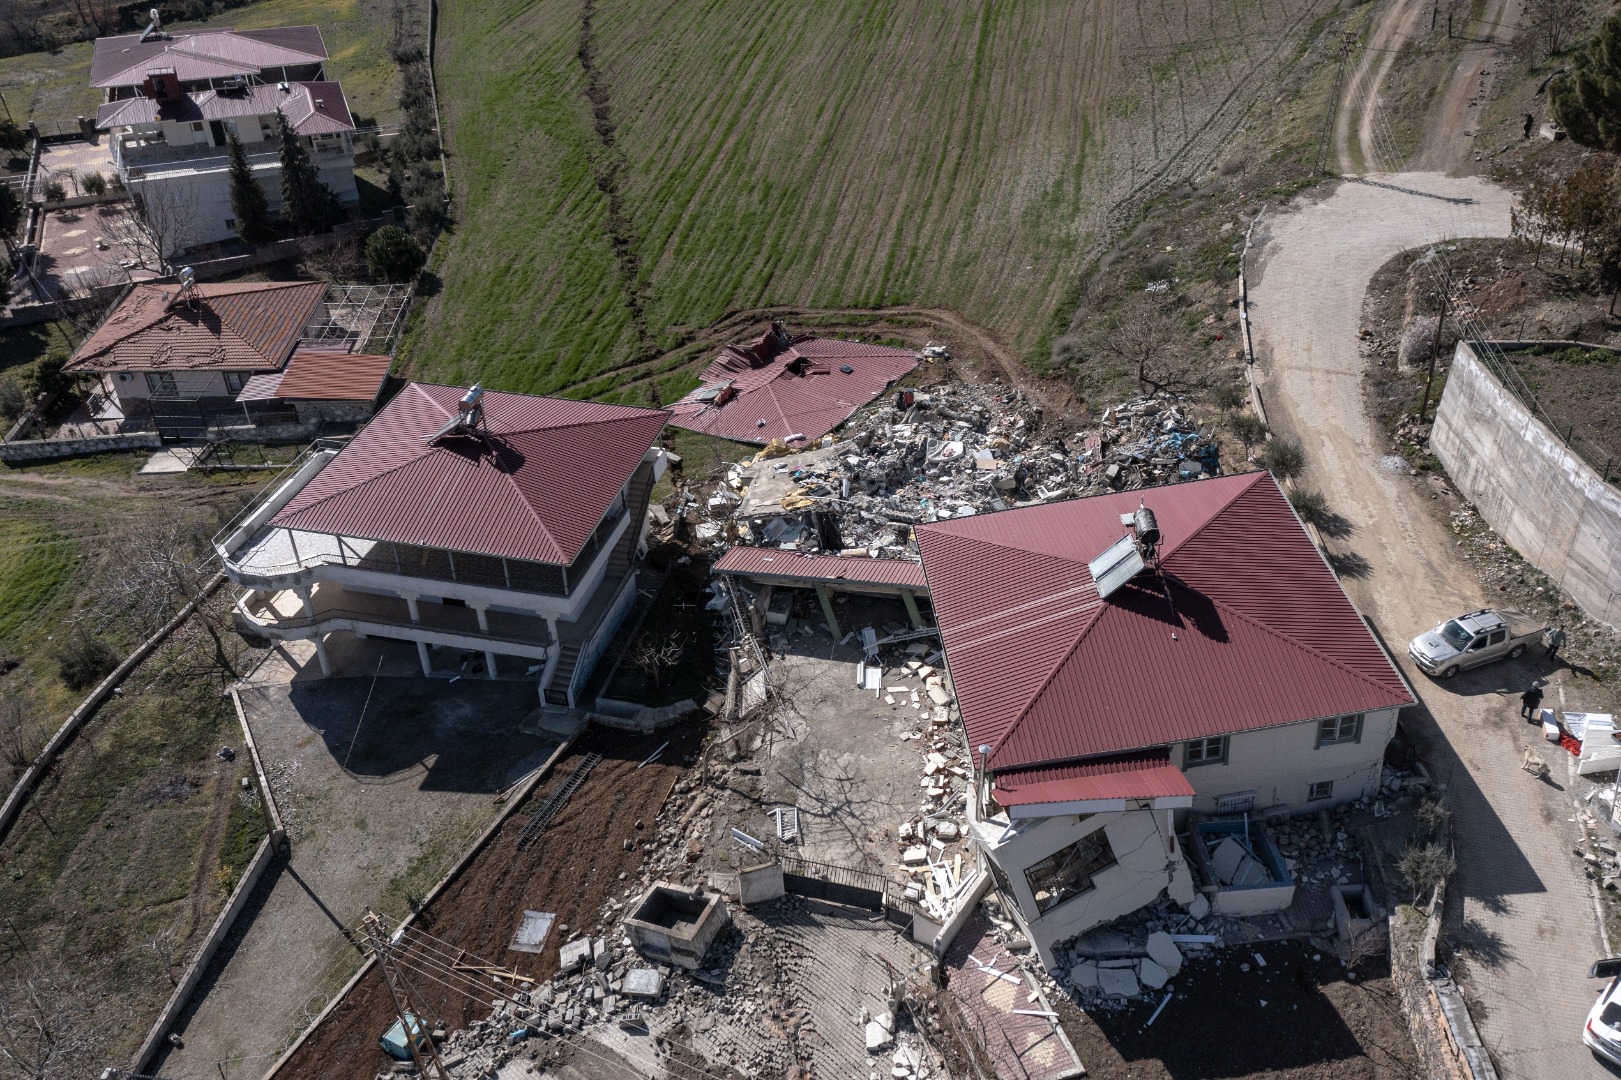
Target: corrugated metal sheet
{"x":534,"y":488}
{"x":333,"y":375}
{"x":797,"y":391}
{"x":312,"y":108}
{"x":261,"y":387}
{"x":239,"y":326}
{"x":1148,"y":774}
{"x":1256,"y":631}
{"x":773,"y":562}
{"x":123,"y":60}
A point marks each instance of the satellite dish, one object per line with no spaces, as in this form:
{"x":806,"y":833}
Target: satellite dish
{"x":1118,"y":564}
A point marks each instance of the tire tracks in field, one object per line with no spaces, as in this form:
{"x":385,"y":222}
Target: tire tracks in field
{"x":607,"y":163}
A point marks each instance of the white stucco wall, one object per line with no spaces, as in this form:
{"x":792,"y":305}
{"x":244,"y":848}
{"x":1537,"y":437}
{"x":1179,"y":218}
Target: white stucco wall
{"x":1281,"y":763}
{"x":1148,"y":861}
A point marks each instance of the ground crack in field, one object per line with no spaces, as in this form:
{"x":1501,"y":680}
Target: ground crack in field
{"x":606,"y":166}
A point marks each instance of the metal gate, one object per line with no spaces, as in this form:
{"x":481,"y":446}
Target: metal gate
{"x":179,"y":419}
{"x":835,"y":884}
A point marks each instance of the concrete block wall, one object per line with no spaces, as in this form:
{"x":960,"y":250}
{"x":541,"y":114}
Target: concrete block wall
{"x":1539,"y":496}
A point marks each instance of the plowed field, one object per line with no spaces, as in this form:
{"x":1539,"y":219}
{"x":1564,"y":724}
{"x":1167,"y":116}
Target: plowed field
{"x":626,"y":175}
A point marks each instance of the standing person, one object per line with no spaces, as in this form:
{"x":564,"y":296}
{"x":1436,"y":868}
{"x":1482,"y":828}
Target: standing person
{"x":1530,"y":701}
{"x":1556,"y":641}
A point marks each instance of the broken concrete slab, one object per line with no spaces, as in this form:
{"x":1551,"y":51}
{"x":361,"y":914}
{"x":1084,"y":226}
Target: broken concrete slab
{"x":878,"y":1037}
{"x":1163,"y":951}
{"x":1084,"y":976}
{"x":1118,"y":982}
{"x":1199,"y":907}
{"x":574,"y":954}
{"x":1152,"y":975}
{"x":643,"y":983}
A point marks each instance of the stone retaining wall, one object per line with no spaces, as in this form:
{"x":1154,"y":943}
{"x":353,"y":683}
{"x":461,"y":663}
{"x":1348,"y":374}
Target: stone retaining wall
{"x":50,"y":449}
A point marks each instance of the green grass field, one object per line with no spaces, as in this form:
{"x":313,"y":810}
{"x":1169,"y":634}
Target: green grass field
{"x":822,"y":154}
{"x":52,"y":87}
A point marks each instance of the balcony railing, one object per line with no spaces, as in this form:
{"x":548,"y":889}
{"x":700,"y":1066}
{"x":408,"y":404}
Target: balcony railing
{"x":505,"y":628}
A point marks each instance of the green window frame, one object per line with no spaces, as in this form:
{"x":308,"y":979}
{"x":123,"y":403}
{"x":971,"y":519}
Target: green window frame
{"x":1334,"y":730}
{"x":1211,"y":751}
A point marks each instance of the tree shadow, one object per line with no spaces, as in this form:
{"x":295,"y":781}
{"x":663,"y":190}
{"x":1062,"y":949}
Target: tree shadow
{"x":1349,"y":564}
{"x":1485,"y":946}
{"x":1333,"y":524}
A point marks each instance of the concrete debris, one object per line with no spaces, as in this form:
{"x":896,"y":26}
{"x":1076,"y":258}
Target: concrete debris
{"x":1163,"y":951}
{"x":1118,"y":982}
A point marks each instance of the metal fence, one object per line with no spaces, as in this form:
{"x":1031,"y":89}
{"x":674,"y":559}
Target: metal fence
{"x":853,"y":888}
{"x":1494,"y":355}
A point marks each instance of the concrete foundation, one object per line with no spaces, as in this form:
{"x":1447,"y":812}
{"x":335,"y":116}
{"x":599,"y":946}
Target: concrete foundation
{"x":676,"y":925}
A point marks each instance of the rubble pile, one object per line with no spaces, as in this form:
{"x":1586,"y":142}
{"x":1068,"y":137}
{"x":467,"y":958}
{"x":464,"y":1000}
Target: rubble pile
{"x":954,"y":451}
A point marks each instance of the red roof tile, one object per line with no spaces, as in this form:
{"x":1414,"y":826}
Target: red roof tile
{"x":774,"y":562}
{"x":534,"y":488}
{"x":1145,"y":774}
{"x":1044,"y":671}
{"x":124,"y":59}
{"x":796,"y":385}
{"x":237,"y":326}
{"x":333,"y":375}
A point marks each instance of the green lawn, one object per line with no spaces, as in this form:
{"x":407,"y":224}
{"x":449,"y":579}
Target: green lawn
{"x":34,"y":561}
{"x":50,"y":87}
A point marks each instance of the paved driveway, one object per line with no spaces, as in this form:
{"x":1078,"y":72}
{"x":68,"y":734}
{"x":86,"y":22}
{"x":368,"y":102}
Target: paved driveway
{"x":1529,"y":919}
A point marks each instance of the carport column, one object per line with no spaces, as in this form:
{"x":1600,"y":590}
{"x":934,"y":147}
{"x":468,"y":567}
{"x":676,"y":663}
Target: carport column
{"x":489,"y":664}
{"x":911,"y":609}
{"x":320,"y":654}
{"x":303,"y":593}
{"x":827,"y":609}
{"x":411,"y":606}
{"x":422,"y":654}
{"x":483,"y":620}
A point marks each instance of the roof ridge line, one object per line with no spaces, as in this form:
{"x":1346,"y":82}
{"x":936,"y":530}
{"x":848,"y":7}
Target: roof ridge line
{"x":1216,"y":513}
{"x":413,"y":459}
{"x":1281,"y":636}
{"x":1046,"y":682}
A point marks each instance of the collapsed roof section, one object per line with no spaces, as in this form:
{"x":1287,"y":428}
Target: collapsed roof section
{"x":792,"y":388}
{"x":1238,"y":625}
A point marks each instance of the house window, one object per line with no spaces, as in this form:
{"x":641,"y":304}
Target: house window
{"x":1339,"y":729}
{"x":1206,"y":752}
{"x":1323,"y":789}
{"x":235,"y":381}
{"x":160,"y":384}
{"x":1068,"y":872}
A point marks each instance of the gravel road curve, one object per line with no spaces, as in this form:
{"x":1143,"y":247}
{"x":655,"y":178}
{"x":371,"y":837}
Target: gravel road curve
{"x":1528,"y":921}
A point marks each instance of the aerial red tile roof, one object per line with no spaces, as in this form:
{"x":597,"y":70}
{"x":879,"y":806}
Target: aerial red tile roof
{"x":774,"y":562}
{"x":1257,"y":631}
{"x":321,"y":375}
{"x":1143,"y":774}
{"x":795,"y":385}
{"x":124,"y":59}
{"x":534,"y":487}
{"x":235,"y":326}
{"x":312,"y":108}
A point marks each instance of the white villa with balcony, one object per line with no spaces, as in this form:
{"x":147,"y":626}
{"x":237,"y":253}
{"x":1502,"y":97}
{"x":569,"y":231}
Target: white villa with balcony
{"x":497,"y":532}
{"x":172,"y":99}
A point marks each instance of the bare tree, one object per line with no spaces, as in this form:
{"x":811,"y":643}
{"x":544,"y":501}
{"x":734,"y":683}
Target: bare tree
{"x":655,"y":656}
{"x":51,"y":1023}
{"x":160,"y":223}
{"x":164,"y":943}
{"x":1553,"y":23}
{"x":18,"y":741}
{"x":1153,"y":341}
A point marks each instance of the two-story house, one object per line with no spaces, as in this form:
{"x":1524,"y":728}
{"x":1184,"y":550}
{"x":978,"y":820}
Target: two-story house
{"x":172,"y":99}
{"x":1117,"y":671}
{"x":497,"y":532}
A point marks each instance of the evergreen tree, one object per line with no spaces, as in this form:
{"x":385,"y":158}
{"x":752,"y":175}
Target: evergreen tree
{"x":307,"y":205}
{"x":1587,"y":101}
{"x":248,"y":203}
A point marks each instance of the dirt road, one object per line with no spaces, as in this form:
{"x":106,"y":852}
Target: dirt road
{"x":1528,"y":921}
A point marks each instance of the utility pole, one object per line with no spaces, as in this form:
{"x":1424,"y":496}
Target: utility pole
{"x":1435,"y":350}
{"x":426,"y":1056}
{"x":1348,"y":42}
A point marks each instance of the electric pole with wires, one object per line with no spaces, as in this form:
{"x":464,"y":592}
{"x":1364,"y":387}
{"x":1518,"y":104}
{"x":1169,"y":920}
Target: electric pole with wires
{"x":423,"y":1052}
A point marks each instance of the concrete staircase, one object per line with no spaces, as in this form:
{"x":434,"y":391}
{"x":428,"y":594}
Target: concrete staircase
{"x":573,"y":637}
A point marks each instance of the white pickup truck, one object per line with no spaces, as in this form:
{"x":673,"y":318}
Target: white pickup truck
{"x":1474,"y":639}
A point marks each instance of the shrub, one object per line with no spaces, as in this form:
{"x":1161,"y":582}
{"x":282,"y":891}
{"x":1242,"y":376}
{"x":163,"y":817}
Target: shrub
{"x":93,"y":183}
{"x":1227,"y":396}
{"x":1283,"y":459}
{"x":1247,"y":428}
{"x":1066,"y":351}
{"x":1425,"y":866}
{"x":48,"y":377}
{"x":392,"y":254}
{"x":54,"y":191}
{"x":1312,"y":506}
{"x":13,"y":398}
{"x":83,"y":659}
